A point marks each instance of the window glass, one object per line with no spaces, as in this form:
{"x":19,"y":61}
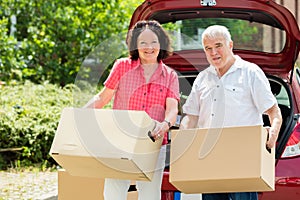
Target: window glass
{"x":280,"y":93}
{"x":282,"y":98}
{"x":186,"y":34}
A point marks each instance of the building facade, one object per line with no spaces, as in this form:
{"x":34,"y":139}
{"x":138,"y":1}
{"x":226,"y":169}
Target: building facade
{"x":294,"y":7}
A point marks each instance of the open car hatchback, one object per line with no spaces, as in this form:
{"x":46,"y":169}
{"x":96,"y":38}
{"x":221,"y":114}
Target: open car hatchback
{"x":263,"y":32}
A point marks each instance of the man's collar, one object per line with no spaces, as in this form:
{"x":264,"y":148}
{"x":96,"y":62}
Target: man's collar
{"x":237,"y":64}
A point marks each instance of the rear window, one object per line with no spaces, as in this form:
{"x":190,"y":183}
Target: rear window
{"x":186,"y":34}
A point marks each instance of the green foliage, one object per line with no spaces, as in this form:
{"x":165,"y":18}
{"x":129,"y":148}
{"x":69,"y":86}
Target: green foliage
{"x":10,"y":58}
{"x":57,"y":35}
{"x":49,"y":44}
{"x":29,"y":115}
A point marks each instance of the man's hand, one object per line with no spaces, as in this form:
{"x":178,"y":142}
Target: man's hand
{"x":276,"y":120}
{"x":273,"y":134}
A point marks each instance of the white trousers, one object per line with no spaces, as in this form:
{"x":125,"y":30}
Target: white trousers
{"x":116,"y":189}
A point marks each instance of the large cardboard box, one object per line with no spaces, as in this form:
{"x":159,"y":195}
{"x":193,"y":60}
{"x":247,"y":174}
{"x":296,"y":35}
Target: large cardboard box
{"x":79,"y":188}
{"x":233,"y":159}
{"x":104,"y":143}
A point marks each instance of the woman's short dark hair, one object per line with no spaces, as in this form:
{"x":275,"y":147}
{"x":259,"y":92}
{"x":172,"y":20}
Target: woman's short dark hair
{"x":163,"y":37}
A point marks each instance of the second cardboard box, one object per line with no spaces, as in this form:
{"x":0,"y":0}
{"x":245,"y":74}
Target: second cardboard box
{"x":233,"y":159}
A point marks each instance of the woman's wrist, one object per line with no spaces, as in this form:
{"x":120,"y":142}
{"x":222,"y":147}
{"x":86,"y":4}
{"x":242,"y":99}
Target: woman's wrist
{"x":168,"y":123}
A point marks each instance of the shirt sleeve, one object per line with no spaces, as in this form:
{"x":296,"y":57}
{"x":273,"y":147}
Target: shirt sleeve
{"x":173,"y":91}
{"x":262,"y":95}
{"x":113,"y":79}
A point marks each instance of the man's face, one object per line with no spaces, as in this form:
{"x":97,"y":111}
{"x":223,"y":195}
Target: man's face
{"x":218,"y":52}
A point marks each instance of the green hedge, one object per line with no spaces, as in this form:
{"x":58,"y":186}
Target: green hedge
{"x":29,"y":116}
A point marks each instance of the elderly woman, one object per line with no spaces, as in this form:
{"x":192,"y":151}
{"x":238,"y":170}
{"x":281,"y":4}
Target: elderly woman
{"x":143,"y":82}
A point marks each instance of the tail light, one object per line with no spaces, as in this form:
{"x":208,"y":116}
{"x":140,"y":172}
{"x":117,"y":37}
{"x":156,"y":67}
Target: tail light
{"x":292,"y":148}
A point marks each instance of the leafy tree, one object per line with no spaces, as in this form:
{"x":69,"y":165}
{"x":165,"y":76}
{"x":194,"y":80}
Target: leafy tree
{"x":10,"y":59}
{"x":57,"y":35}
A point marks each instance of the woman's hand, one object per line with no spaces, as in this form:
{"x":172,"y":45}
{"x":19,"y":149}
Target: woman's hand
{"x":159,"y":130}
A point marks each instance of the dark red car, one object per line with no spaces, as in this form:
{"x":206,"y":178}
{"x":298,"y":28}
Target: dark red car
{"x":263,"y":32}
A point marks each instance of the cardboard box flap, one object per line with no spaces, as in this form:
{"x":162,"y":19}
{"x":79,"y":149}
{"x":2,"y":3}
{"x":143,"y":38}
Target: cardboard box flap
{"x":102,"y":168}
{"x":106,"y":143}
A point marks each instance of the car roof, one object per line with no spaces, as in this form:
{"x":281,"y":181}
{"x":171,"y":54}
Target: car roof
{"x":262,"y":11}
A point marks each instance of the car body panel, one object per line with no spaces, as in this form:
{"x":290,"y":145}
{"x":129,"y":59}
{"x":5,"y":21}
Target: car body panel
{"x":295,"y":86}
{"x":278,"y":66}
{"x":275,"y":15}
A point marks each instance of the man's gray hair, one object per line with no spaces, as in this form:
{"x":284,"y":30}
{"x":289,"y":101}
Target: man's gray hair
{"x":216,"y":31}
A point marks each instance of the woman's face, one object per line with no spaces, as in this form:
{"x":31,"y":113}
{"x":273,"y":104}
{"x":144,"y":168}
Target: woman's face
{"x":148,"y":47}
